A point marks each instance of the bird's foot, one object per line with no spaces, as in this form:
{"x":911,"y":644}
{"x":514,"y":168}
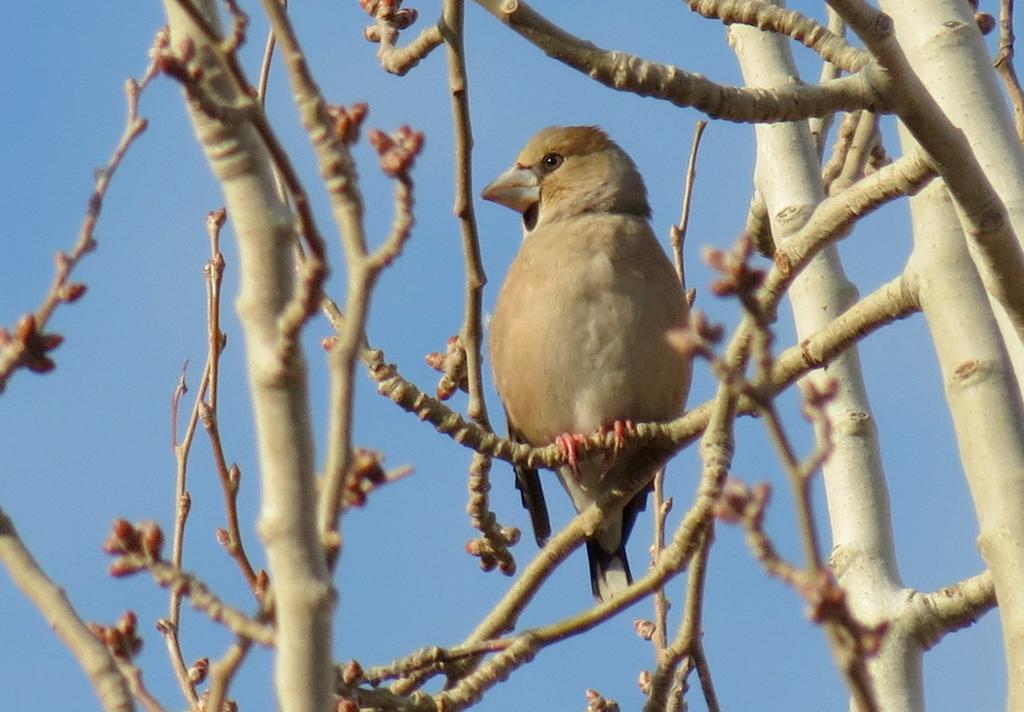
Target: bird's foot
{"x":570,"y":444}
{"x":620,"y":428}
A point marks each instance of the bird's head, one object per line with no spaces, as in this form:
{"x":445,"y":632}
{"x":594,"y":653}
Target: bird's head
{"x":565,"y":171}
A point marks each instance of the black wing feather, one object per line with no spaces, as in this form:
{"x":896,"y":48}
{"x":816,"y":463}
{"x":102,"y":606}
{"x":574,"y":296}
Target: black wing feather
{"x":532,"y":494}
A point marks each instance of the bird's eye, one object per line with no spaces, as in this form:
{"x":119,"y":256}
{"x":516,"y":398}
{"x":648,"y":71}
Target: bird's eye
{"x":551,"y":161}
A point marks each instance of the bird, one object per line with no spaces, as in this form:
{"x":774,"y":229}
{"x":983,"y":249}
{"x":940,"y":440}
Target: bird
{"x":577,"y":337}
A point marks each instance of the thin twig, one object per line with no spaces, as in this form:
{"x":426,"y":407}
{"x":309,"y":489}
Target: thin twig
{"x":661,"y":508}
{"x":399,"y":60}
{"x":29,"y":345}
{"x":687,"y":643}
{"x":1004,"y":65}
{"x":862,"y":142}
{"x":677,"y":233}
{"x":139,"y":689}
{"x":230,"y":479}
{"x":205,"y":403}
{"x":850,"y":640}
{"x":472,"y":330}
{"x":263,"y":83}
{"x":844,"y":138}
{"x":204,"y":600}
{"x":222,"y":672}
{"x":820,"y":125}
{"x":229,"y":475}
{"x":799,"y":482}
{"x":170,"y":626}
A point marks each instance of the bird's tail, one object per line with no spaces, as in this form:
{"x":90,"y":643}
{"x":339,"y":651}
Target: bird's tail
{"x":609,"y":573}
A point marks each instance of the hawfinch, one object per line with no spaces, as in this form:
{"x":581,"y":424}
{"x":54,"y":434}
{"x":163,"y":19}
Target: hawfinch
{"x":577,"y":339}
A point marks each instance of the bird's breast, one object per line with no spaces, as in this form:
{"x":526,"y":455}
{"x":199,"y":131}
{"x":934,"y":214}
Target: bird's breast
{"x":577,"y":338}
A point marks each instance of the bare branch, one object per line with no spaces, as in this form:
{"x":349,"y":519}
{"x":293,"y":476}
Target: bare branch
{"x":138,"y":548}
{"x":764,"y":16}
{"x":271,"y":302}
{"x":994,"y":246}
{"x":170,"y":626}
{"x":626,"y":72}
{"x":96,"y":661}
{"x":716,"y":450}
{"x":29,"y":346}
{"x":687,"y":643}
{"x":222,"y":672}
{"x":820,"y":125}
{"x":932,"y":615}
{"x":677,"y":233}
{"x":1004,"y":64}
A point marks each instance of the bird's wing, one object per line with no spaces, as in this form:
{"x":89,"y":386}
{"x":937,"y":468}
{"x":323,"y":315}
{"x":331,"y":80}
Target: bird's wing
{"x":532,"y":494}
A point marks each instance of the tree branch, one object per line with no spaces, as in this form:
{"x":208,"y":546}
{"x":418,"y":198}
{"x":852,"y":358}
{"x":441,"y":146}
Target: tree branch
{"x":96,"y":661}
{"x":625,"y":72}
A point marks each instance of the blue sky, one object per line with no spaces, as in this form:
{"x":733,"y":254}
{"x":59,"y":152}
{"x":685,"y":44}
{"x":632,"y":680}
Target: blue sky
{"x":91,"y":441}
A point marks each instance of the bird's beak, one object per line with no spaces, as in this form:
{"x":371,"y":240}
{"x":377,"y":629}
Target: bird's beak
{"x":516,"y":188}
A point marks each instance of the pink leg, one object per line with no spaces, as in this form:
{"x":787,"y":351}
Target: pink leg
{"x":569,"y":444}
{"x":621,"y":428}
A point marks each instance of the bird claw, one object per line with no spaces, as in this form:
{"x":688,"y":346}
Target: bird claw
{"x":569,"y":444}
{"x":620,"y":429}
